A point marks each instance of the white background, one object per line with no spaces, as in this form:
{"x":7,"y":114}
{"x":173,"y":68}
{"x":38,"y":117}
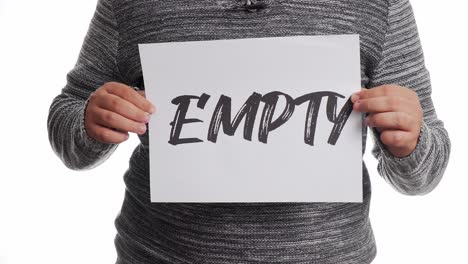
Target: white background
{"x":49,"y":214}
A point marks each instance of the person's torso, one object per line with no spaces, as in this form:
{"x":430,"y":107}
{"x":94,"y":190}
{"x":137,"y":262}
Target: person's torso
{"x":325,"y":233}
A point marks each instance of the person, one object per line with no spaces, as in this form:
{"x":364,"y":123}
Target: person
{"x":98,"y":107}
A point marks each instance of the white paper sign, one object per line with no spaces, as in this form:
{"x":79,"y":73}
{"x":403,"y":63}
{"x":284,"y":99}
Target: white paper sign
{"x":254,"y":120}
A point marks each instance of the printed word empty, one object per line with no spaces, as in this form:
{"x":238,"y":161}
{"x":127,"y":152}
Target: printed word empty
{"x":222,"y":117}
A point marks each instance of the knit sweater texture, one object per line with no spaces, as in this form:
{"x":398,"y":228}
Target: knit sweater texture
{"x":322,"y":233}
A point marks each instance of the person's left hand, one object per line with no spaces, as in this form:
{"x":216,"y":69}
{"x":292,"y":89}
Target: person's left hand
{"x":395,"y":112}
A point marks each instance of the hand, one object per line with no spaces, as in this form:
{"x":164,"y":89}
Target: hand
{"x":395,"y":112}
{"x":115,"y":109}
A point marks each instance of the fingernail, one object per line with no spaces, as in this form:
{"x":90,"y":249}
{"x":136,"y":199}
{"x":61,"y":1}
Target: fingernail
{"x":147,"y":117}
{"x":356,"y":105}
{"x":367,"y":121}
{"x":142,"y":129}
{"x":354,"y":97}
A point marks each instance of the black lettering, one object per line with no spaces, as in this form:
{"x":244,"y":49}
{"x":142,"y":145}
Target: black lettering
{"x":266,"y":123}
{"x":340,"y":122}
{"x":179,"y":119}
{"x":222,"y":115}
{"x":312,"y":112}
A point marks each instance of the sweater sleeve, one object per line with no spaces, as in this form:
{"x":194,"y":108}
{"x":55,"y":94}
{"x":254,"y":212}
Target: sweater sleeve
{"x":95,"y":66}
{"x":402,"y":63}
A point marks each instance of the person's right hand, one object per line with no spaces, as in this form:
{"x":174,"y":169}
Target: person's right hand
{"x":115,"y":109}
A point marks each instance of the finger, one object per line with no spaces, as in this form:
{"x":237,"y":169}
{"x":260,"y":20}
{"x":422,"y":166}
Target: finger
{"x":142,"y":93}
{"x":107,"y":135}
{"x":397,"y":138}
{"x":384,"y":90}
{"x":114,"y":120}
{"x":129,"y":94}
{"x":385,"y":104}
{"x":118,"y":105}
{"x":392,"y":121}
{"x":355,"y":96}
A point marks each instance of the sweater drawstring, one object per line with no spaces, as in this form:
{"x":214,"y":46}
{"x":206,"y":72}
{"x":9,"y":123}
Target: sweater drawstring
{"x":254,"y":6}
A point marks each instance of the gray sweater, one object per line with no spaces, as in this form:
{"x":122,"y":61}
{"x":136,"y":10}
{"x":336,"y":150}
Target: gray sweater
{"x":247,"y":232}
